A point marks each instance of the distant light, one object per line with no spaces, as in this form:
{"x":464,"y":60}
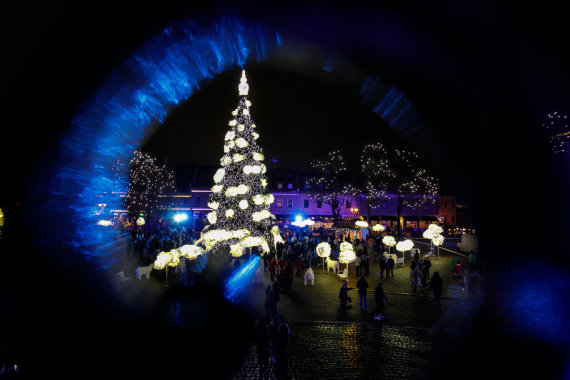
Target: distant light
{"x":274,"y":160}
{"x":298,"y":218}
{"x":180,"y":217}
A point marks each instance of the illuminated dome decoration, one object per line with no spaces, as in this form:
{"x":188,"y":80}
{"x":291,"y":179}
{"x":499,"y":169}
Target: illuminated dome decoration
{"x":346,"y":246}
{"x":438,"y":240}
{"x":435,"y":228}
{"x":140,"y":221}
{"x":167,"y":259}
{"x":323,"y":249}
{"x":378,"y":228}
{"x":191,"y":251}
{"x":428,"y":234}
{"x":244,"y":205}
{"x":346,"y":257}
{"x":389,"y":240}
{"x":361,"y":224}
{"x":405,"y":245}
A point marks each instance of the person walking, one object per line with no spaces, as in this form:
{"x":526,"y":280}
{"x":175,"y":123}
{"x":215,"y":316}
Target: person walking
{"x":262,"y":344}
{"x":426,"y":265}
{"x":366,"y":264}
{"x":288,"y":271}
{"x":390,"y":267}
{"x":273,"y":268}
{"x":362,"y":286}
{"x":265,"y":262}
{"x":270,"y":303}
{"x":380,"y":299}
{"x":436,"y":285}
{"x":416,"y":278}
{"x":383,"y":267}
{"x":343,"y":295}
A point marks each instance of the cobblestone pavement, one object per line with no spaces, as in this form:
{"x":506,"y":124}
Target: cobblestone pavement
{"x":330,"y":343}
{"x":329,"y":350}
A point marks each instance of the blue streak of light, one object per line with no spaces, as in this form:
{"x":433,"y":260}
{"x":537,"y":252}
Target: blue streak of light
{"x":238,"y":283}
{"x":134,"y":100}
{"x":392,"y":105}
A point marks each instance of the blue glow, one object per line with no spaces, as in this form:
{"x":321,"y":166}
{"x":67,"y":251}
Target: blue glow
{"x":533,"y":301}
{"x":180,"y":217}
{"x":236,"y":286}
{"x":134,"y":100}
{"x":328,"y":66}
{"x":298,"y":218}
{"x":392,"y":105}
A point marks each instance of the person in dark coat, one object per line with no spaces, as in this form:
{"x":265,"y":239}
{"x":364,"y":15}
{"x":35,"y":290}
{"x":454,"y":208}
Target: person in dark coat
{"x":265,"y":262}
{"x":343,"y":295}
{"x":288,"y":276}
{"x":362,"y":286}
{"x":390,"y":267}
{"x":270,"y":303}
{"x":383,"y":267}
{"x":426,"y":265}
{"x":380,"y":299}
{"x":436,"y":285}
{"x":262,"y":344}
{"x":273,"y":268}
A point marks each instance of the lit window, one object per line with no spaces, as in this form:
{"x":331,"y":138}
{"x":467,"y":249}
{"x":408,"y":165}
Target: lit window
{"x":279,"y":203}
{"x":289,"y":185}
{"x":279,"y":185}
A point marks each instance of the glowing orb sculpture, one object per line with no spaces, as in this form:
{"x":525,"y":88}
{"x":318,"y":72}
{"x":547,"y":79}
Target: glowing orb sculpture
{"x":438,"y":240}
{"x":428,"y":234}
{"x":167,"y":259}
{"x":140,"y":221}
{"x":346,"y":257}
{"x":323,"y":249}
{"x":389,"y":241}
{"x":405,"y":245}
{"x":435,"y":228}
{"x":361,"y":224}
{"x":378,"y":228}
{"x":191,"y":251}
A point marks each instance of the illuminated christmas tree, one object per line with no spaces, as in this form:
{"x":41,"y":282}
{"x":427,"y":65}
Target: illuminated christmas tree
{"x":240,"y":216}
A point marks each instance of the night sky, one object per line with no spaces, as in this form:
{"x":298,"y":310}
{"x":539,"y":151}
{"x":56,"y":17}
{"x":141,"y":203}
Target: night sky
{"x":482,"y":75}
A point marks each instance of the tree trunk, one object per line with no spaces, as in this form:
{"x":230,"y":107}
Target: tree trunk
{"x":399,"y":208}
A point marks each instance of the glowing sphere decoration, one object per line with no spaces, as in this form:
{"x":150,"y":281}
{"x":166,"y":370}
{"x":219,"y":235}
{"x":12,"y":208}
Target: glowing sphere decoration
{"x":323,"y":249}
{"x":435,"y":228}
{"x":346,"y":257}
{"x":167,"y":259}
{"x":428,"y":234}
{"x":140,"y":221}
{"x":180,"y":217}
{"x":405,"y":245}
{"x":438,"y":240}
{"x":389,"y":241}
{"x":191,"y":251}
{"x":378,"y":228}
{"x":346,"y":246}
{"x":361,"y":224}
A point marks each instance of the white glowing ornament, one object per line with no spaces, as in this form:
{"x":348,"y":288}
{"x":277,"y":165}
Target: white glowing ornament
{"x":405,"y":245}
{"x":246,"y":111}
{"x":225,"y":161}
{"x":260,"y":215}
{"x":238,"y":157}
{"x":234,"y":112}
{"x":241,"y":143}
{"x":435,"y":228}
{"x":243,"y":86}
{"x":346,"y":246}
{"x":438,"y":240}
{"x":255,"y":135}
{"x":428,"y":234}
{"x":276,"y":236}
{"x":248,"y":103}
{"x":258,"y":156}
{"x":243,"y":204}
{"x":263,"y":168}
{"x":226,"y":149}
{"x":252,"y":169}
{"x":191,"y":251}
{"x":213,"y":205}
{"x":219,"y":176}
{"x":389,"y":241}
{"x":263,"y":182}
{"x":241,"y":127}
{"x":104,"y":223}
{"x":230,"y":135}
{"x":217,"y":188}
{"x":232,"y":123}
{"x":230,"y":144}
{"x":258,"y":199}
{"x":323,"y":249}
{"x":229,"y":213}
{"x":212,"y":217}
{"x":361,"y":224}
{"x":164,"y":259}
{"x":346,"y":257}
{"x":378,"y":228}
{"x":140,"y":221}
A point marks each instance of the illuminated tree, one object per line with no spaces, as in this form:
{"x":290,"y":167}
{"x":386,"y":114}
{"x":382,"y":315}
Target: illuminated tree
{"x":376,"y":176}
{"x":148,"y":183}
{"x":240,"y":201}
{"x":328,"y":184}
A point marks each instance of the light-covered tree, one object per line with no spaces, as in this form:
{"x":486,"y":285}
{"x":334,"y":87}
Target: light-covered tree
{"x":148,"y":183}
{"x":240,"y":201}
{"x":328,"y":183}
